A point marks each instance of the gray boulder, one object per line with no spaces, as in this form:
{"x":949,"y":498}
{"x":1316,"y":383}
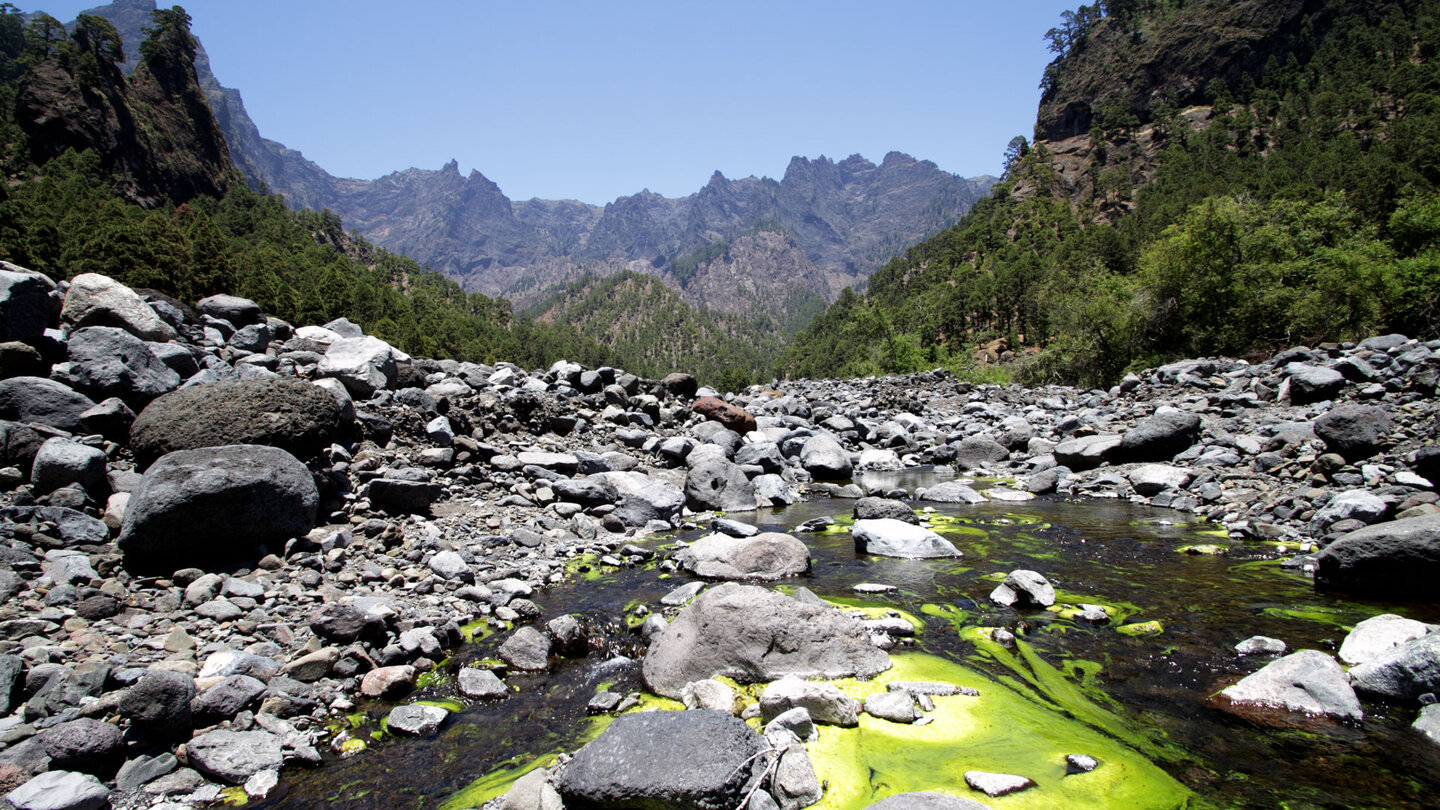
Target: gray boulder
{"x":1024,"y":588}
{"x":110,"y":418}
{"x":824,"y":702}
{"x":765,"y":556}
{"x":24,"y":303}
{"x":1356,"y":432}
{"x":952,"y":492}
{"x":1307,"y":681}
{"x":1399,"y":560}
{"x":1152,"y":479}
{"x":61,"y":462}
{"x":60,"y":790}
{"x":96,"y":300}
{"x":824,"y":458}
{"x":109,"y":362}
{"x":344,"y":624}
{"x":254,"y":338}
{"x":450,"y":565}
{"x":226,"y":699}
{"x":158,"y":706}
{"x":895,"y":706}
{"x":481,"y":684}
{"x":43,"y":402}
{"x":594,"y":490}
{"x":1403,"y":672}
{"x":978,"y":452}
{"x":650,"y":497}
{"x":1377,"y":634}
{"x":416,"y":719}
{"x":364,"y":364}
{"x":690,"y":760}
{"x":528,"y":649}
{"x":1087,"y":452}
{"x":1160,"y":437}
{"x":1309,"y":383}
{"x":298,"y":417}
{"x":196,"y":507}
{"x":887,"y":537}
{"x":1428,"y":723}
{"x":765,"y":455}
{"x":234,"y":756}
{"x":1354,"y":504}
{"x":84,"y":745}
{"x":794,"y":784}
{"x":754,"y":635}
{"x":871,"y":508}
{"x":239,"y":312}
{"x":345,"y":328}
{"x":719,"y":485}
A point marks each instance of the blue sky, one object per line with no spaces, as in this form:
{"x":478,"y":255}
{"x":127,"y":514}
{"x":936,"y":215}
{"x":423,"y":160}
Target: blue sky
{"x":590,"y":101}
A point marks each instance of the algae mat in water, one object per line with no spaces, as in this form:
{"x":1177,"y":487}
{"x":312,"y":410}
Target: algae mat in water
{"x":1000,"y":731}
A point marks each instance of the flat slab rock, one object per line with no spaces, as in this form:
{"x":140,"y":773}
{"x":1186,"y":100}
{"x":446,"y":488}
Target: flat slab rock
{"x":697,"y":759}
{"x":416,"y":719}
{"x":234,"y":756}
{"x":997,"y":784}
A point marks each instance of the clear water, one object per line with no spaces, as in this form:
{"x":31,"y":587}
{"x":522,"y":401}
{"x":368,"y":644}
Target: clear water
{"x":1154,"y":690}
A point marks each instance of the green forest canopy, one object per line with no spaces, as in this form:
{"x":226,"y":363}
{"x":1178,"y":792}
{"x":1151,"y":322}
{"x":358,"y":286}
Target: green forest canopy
{"x":1306,"y":210}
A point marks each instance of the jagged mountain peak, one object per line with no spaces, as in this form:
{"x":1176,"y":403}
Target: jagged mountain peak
{"x":842,"y":218}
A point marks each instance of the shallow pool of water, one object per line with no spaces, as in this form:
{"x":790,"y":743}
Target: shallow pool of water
{"x":1138,"y":690}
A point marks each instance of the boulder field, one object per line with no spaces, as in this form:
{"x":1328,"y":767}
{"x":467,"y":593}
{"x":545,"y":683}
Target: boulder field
{"x":219,"y":530}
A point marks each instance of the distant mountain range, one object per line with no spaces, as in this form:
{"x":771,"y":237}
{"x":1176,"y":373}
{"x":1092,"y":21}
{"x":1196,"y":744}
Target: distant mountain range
{"x":746,"y":246}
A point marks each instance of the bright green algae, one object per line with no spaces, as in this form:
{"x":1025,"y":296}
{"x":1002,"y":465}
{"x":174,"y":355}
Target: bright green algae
{"x":1024,"y":727}
{"x":1003,"y":730}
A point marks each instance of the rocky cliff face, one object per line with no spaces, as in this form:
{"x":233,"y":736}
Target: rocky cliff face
{"x":152,"y":130}
{"x":1114,"y":99}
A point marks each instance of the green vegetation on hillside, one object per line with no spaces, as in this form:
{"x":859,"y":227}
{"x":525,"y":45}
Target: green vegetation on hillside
{"x":68,"y":214}
{"x":1305,"y":208}
{"x":648,"y":329}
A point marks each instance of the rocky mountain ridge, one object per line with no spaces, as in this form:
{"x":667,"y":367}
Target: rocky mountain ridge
{"x":846,"y":217}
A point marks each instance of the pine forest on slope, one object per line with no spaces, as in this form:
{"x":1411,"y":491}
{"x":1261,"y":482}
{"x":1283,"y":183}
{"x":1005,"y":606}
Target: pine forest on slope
{"x":1207,"y":177}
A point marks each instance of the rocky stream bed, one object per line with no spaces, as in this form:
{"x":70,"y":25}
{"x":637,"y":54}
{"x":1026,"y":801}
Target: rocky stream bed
{"x":249,"y":562}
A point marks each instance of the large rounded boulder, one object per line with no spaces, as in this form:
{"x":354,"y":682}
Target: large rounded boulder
{"x":1160,"y":437}
{"x":1398,"y":560}
{"x":216,"y":504}
{"x":1356,"y":432}
{"x":299,"y":417}
{"x":754,"y":635}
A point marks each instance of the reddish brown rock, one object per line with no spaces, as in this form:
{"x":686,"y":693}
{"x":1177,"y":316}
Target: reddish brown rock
{"x":388,"y":682}
{"x":718,"y":410}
